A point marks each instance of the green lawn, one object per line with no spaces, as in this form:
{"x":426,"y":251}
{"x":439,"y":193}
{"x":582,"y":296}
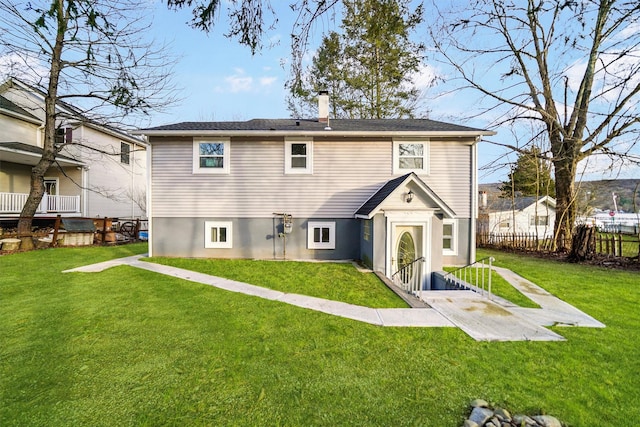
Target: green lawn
{"x":335,"y":281}
{"x":130,"y":347}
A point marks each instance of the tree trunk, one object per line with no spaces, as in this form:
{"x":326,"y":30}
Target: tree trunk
{"x":583,"y":243}
{"x":565,"y":170}
{"x":49,"y":148}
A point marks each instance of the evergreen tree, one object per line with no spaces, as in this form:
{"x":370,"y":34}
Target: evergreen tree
{"x":530,"y":176}
{"x":367,"y":68}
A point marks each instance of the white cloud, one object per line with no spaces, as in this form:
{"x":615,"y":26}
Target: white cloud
{"x":426,"y":77}
{"x":24,"y":66}
{"x":238,"y":82}
{"x":267,"y":81}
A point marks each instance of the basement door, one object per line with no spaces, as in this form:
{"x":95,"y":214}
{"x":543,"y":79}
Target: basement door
{"x":408,"y":245}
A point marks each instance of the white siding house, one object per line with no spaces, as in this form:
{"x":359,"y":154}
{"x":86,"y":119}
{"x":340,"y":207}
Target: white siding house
{"x":385,"y":192}
{"x":104,"y":175}
{"x":534,"y":216}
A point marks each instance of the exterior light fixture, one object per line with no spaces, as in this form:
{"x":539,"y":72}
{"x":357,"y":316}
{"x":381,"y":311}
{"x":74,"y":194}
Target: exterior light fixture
{"x":409,"y":196}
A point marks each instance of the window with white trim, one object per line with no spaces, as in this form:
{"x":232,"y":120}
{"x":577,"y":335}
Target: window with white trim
{"x":410,"y":156}
{"x":536,"y":220}
{"x":449,"y":236}
{"x":321,"y":235}
{"x":218,"y":234}
{"x":211,"y":155}
{"x":298,"y":156}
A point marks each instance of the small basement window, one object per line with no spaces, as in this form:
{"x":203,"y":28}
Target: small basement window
{"x":321,"y":235}
{"x":218,"y":234}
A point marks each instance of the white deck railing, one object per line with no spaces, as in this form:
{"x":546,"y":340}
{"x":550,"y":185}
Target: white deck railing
{"x":474,"y":277}
{"x":12,"y":203}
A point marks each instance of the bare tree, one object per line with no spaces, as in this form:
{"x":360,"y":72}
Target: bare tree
{"x":90,"y":52}
{"x":572,"y":67}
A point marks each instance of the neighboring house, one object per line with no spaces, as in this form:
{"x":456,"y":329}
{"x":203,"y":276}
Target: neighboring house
{"x":385,"y":192}
{"x":528,"y":215}
{"x":105,"y":175}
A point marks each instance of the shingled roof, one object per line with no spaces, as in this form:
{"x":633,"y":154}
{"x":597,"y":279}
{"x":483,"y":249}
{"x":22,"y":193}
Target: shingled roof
{"x":373,"y":203}
{"x":518,"y":203}
{"x":11,"y":107}
{"x":337,"y":125}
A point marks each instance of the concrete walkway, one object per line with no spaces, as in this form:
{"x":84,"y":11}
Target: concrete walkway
{"x":480,"y":318}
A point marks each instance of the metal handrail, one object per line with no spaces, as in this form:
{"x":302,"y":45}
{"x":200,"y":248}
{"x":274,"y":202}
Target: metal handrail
{"x":415,"y":272}
{"x":463,"y":277}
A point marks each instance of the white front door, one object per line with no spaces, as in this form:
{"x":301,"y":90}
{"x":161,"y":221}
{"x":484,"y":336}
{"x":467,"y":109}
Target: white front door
{"x":407,"y":248}
{"x":407,"y":244}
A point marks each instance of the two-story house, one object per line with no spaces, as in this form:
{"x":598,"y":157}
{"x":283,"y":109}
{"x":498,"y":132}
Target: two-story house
{"x":386,"y":192}
{"x":102,"y":173}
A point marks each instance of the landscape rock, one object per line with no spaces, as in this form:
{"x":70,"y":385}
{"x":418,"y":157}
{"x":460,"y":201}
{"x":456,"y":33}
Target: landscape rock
{"x":547,"y":421}
{"x":482,"y":415}
{"x":479,"y":403}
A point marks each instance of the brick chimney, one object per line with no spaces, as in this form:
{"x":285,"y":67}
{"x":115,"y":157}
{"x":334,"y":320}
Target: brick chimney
{"x":323,"y":106}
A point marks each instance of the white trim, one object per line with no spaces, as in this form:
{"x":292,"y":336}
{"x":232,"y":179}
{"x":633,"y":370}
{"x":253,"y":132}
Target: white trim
{"x":149,"y":201}
{"x":408,"y":218}
{"x":210,"y":243}
{"x":226,"y":156}
{"x":397,"y":170}
{"x":288,"y":168}
{"x":312,"y":244}
{"x":454,"y":236}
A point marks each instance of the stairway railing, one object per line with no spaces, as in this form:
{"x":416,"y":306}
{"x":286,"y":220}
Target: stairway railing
{"x":475,"y":277}
{"x":410,"y":277}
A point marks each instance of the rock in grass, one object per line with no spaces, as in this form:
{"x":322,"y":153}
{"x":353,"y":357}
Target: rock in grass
{"x":469,"y":423}
{"x":547,"y":421}
{"x":521,"y":420}
{"x":502,"y":414}
{"x":479,"y":403}
{"x":480,"y":415}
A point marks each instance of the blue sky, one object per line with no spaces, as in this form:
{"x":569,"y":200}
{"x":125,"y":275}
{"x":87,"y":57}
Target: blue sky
{"x":220,"y":80}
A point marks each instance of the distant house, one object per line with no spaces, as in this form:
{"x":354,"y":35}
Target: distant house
{"x":386,"y":192}
{"x":531,"y":215}
{"x":104,"y":176}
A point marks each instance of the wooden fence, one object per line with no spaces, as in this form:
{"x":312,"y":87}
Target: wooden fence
{"x":609,"y":244}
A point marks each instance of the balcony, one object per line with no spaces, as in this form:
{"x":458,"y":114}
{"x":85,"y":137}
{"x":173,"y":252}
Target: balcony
{"x":12,"y":203}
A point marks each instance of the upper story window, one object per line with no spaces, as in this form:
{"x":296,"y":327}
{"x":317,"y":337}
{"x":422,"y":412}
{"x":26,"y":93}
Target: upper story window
{"x":449,"y":236}
{"x":298,"y":156}
{"x":211,"y":155}
{"x":125,"y":150}
{"x":63,"y":135}
{"x":410,"y":156}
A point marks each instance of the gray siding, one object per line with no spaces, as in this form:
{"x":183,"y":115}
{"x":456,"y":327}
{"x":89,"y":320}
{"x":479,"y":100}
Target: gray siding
{"x":346,"y":174}
{"x":253,"y":238}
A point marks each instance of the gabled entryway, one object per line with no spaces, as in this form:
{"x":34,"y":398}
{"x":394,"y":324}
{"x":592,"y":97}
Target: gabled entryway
{"x":403,"y":220}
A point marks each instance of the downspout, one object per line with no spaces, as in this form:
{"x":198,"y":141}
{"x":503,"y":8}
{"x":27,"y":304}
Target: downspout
{"x":85,"y":180}
{"x":474,"y":201}
{"x":149,"y":199}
